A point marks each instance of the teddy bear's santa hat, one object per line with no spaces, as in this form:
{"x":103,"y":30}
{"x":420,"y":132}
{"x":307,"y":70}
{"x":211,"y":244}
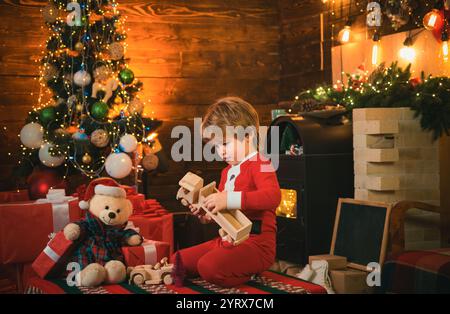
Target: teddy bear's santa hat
{"x":102,"y":186}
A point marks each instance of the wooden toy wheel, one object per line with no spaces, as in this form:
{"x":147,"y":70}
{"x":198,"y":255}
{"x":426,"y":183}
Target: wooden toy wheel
{"x":167,"y":279}
{"x":138,"y":279}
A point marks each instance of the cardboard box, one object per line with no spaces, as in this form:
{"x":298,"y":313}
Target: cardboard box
{"x":334,"y":261}
{"x":350,"y":281}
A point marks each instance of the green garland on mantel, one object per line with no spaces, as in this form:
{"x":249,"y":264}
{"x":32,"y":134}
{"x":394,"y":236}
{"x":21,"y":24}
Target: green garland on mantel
{"x":390,"y":87}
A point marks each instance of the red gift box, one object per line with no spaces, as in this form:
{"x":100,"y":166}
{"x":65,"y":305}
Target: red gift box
{"x":25,"y":227}
{"x":148,"y":253}
{"x":153,"y":226}
{"x":138,"y":201}
{"x":51,"y":261}
{"x":14,"y":196}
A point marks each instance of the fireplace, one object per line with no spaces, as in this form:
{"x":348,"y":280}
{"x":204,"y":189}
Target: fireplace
{"x":311,"y":184}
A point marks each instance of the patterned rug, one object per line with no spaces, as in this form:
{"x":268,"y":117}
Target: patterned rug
{"x":268,"y":282}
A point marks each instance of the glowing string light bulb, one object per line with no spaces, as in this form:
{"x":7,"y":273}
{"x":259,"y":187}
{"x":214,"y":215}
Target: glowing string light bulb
{"x":375,"y":48}
{"x":407,"y":52}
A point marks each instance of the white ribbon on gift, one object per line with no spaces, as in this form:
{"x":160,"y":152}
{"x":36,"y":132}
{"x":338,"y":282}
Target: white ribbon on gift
{"x":52,"y":254}
{"x":60,"y":208}
{"x":150,"y":255}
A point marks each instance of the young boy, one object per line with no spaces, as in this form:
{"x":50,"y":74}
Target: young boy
{"x":248,"y":183}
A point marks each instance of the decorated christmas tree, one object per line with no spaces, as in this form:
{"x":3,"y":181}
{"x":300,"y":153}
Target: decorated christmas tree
{"x":89,"y":117}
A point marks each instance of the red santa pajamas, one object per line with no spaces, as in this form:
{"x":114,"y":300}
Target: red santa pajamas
{"x":253,"y":187}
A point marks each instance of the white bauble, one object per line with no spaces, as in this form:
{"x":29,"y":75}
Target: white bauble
{"x":118,"y":165}
{"x":82,"y":78}
{"x":128,"y":143}
{"x":49,"y":160}
{"x":32,"y":135}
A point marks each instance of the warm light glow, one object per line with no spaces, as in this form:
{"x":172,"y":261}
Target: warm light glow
{"x":407,"y":53}
{"x":288,"y":204}
{"x":433,"y":20}
{"x":445,"y":50}
{"x":344,"y":34}
{"x":375,"y":52}
{"x":151,"y":137}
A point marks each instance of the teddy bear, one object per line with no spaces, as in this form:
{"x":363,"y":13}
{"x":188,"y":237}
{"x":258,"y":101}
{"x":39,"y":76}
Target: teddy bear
{"x":102,"y":233}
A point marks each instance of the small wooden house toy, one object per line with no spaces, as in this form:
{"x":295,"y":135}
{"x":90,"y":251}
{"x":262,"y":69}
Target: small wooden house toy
{"x":190,"y":187}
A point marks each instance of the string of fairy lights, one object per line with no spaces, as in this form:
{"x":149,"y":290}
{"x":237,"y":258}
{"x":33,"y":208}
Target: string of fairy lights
{"x":84,"y":54}
{"x":399,"y":13}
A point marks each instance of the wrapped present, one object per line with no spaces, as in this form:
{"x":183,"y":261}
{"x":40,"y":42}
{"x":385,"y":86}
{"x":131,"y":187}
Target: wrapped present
{"x":154,"y":226}
{"x":138,"y":201}
{"x":25,"y":226}
{"x":148,"y":253}
{"x":51,"y":260}
{"x":14,"y":196}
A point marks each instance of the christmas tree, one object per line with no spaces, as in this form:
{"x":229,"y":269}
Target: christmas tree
{"x":88,"y":116}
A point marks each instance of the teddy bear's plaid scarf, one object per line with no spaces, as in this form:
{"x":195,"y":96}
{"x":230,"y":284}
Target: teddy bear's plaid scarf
{"x":100,"y":243}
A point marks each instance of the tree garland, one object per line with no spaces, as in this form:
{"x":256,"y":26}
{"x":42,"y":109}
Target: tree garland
{"x":390,"y":87}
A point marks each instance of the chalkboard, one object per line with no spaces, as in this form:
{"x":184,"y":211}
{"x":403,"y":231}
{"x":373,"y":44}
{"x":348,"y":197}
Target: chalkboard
{"x":361,"y":232}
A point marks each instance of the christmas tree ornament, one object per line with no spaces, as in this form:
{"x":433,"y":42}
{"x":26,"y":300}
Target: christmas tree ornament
{"x":61,"y":134}
{"x":128,"y":143}
{"x":118,"y":100}
{"x":32,"y":135}
{"x":50,"y":14}
{"x":79,"y":107}
{"x":46,"y":157}
{"x":99,"y":110}
{"x":100,"y":138}
{"x":118,"y":165}
{"x":79,"y":46}
{"x":126,"y":76}
{"x":87,"y":159}
{"x":150,"y":162}
{"x":104,"y":82}
{"x":434,"y":20}
{"x":72,"y":129}
{"x":102,"y":73}
{"x":136,"y":106}
{"x":80,"y":135}
{"x":82,"y":78}
{"x":116,"y":51}
{"x":47,"y":115}
{"x":42,"y":180}
{"x":50,"y":72}
{"x":115,"y":111}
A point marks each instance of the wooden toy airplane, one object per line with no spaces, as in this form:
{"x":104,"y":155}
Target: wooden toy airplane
{"x":235,"y":226}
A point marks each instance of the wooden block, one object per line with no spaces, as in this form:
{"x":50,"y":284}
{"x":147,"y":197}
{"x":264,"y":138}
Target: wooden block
{"x":382,"y":183}
{"x":376,"y":155}
{"x":376,"y":127}
{"x":379,"y":196}
{"x":334,"y":261}
{"x":350,"y":281}
{"x":377,"y":114}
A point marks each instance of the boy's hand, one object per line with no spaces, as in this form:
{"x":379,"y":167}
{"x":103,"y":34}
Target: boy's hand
{"x":216,"y":202}
{"x":200,"y":213}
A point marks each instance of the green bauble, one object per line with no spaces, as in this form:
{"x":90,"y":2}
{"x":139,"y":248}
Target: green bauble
{"x":47,"y":115}
{"x":99,"y":110}
{"x":126,"y":76}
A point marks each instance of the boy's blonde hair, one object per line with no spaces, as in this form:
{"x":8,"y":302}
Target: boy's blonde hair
{"x":231,"y":111}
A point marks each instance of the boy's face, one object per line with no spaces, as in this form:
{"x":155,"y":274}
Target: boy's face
{"x":233,"y":150}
